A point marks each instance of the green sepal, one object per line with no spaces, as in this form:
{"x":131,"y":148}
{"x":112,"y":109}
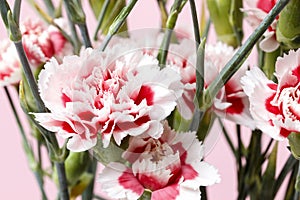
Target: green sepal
{"x":288,"y":26}
{"x":227,"y":19}
{"x":112,"y":153}
{"x":294,"y":142}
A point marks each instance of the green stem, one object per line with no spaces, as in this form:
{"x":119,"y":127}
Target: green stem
{"x":63,"y":185}
{"x":240,"y":56}
{"x":195,"y":23}
{"x":287,"y":167}
{"x":85,"y":35}
{"x":200,"y":72}
{"x":207,"y":28}
{"x":171,"y":21}
{"x":118,"y":22}
{"x":297,"y":184}
{"x":50,"y":7}
{"x":227,"y":137}
{"x":163,"y":12}
{"x":89,"y":191}
{"x":29,"y":77}
{"x":101,"y":18}
{"x":239,"y":150}
{"x":17,"y":10}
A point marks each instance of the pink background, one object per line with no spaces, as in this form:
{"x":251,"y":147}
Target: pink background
{"x":18,"y":182}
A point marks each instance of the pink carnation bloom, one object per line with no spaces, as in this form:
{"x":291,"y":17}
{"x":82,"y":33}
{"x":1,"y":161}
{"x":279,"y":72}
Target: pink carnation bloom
{"x":275,"y":107}
{"x":257,"y":11}
{"x":10,"y":66}
{"x":41,"y":44}
{"x":171,"y":167}
{"x":231,"y":102}
{"x":102,"y":93}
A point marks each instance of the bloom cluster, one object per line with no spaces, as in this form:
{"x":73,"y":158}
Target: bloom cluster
{"x":141,"y":112}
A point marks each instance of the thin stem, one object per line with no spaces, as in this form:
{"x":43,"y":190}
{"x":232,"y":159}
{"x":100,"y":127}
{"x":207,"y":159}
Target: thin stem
{"x":195,"y":23}
{"x":29,"y":77}
{"x":63,"y":185}
{"x":297,"y":184}
{"x":40,"y":181}
{"x":240,"y":56}
{"x":163,"y":12}
{"x":89,"y":191}
{"x":116,"y":25}
{"x":11,"y":103}
{"x":171,"y":21}
{"x":85,"y":35}
{"x":163,"y":50}
{"x":207,"y":28}
{"x":101,"y":18}
{"x":228,"y":139}
{"x":50,"y":7}
{"x":17,"y":10}
{"x":267,"y":148}
{"x":200,"y":72}
{"x":240,"y":146}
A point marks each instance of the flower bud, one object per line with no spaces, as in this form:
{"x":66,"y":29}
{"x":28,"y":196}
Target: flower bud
{"x":227,"y":19}
{"x":288,"y":27}
{"x":14,"y":30}
{"x":75,"y":165}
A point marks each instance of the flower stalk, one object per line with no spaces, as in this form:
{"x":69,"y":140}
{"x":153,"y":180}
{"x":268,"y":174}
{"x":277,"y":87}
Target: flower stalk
{"x":101,"y":18}
{"x":170,"y":25}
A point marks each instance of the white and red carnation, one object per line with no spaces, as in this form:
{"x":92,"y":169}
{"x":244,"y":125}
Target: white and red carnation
{"x":231,"y":102}
{"x":170,"y":167}
{"x":257,"y":10}
{"x":99,"y":92}
{"x":275,"y":107}
{"x":10,"y":66}
{"x":41,"y":43}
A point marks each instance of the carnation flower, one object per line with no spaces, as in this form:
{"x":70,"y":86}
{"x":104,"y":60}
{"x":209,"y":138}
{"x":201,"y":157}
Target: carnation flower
{"x":41,"y":43}
{"x":256,"y":12}
{"x":170,"y":167}
{"x":99,"y":92}
{"x":275,"y":107}
{"x":231,"y":102}
{"x":10,"y":66}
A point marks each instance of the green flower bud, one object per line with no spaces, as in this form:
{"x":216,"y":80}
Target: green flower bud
{"x":14,"y":30}
{"x":227,"y":19}
{"x":288,"y":27}
{"x":294,"y":141}
{"x":75,"y":165}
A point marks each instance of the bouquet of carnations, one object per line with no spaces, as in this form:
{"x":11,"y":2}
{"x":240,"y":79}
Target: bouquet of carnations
{"x":133,"y":110}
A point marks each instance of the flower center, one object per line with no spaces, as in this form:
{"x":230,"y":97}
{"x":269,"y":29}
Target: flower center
{"x":289,"y":101}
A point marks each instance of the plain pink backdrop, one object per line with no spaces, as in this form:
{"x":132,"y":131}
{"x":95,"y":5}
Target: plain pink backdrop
{"x":18,"y":182}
